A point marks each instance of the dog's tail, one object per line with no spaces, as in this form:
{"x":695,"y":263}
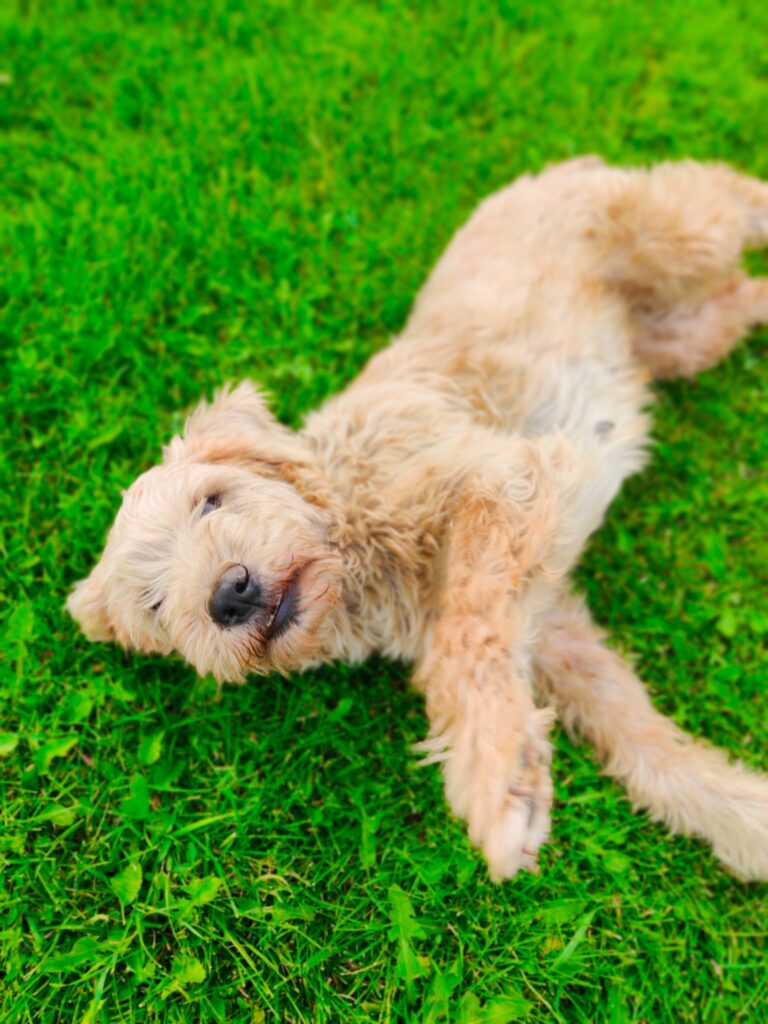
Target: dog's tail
{"x":687,"y":784}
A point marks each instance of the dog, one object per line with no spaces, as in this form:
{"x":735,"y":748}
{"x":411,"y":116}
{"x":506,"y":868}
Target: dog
{"x":434,"y":510}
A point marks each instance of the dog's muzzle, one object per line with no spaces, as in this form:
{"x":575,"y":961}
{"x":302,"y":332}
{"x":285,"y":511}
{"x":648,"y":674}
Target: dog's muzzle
{"x":237,"y":598}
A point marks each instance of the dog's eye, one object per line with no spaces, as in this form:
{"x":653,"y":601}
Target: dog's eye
{"x":211,"y":502}
{"x":157,"y":606}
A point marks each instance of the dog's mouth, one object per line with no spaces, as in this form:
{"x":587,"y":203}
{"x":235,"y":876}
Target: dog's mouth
{"x":285,"y":612}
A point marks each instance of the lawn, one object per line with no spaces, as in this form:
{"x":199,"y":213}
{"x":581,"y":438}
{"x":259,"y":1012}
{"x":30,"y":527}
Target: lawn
{"x":197,"y":192}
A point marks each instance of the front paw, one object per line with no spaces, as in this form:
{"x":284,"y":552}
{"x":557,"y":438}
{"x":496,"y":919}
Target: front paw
{"x":502,"y":787}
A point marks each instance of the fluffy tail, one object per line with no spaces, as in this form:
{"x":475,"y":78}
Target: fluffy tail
{"x":685,"y":783}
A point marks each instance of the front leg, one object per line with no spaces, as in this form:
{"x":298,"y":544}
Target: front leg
{"x":486,"y":730}
{"x":492,"y":741}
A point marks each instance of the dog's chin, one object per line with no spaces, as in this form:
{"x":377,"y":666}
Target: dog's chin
{"x":286,"y":610}
{"x":302,"y":629}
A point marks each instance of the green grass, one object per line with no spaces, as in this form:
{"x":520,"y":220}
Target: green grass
{"x":195,"y":192}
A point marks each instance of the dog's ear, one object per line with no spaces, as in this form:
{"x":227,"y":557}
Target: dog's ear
{"x":238,"y":428}
{"x":233,"y":411}
{"x":87,"y":606}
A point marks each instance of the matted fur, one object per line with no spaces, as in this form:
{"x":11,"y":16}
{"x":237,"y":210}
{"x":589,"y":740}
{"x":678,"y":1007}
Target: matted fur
{"x":434,"y":509}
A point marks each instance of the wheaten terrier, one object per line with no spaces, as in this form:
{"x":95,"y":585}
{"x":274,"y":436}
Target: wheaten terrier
{"x":434,"y":509}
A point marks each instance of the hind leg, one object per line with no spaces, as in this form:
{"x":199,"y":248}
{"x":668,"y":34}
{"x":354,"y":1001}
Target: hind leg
{"x":674,"y":238}
{"x":683,"y":339}
{"x":690,"y":786}
{"x":673,"y":233}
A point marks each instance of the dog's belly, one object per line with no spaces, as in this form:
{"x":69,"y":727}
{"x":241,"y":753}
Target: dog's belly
{"x":586,"y":385}
{"x":600,"y":407}
{"x":597,"y":404}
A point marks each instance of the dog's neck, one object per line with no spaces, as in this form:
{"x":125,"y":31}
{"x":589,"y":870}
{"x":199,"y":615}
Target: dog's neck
{"x":389,"y":550}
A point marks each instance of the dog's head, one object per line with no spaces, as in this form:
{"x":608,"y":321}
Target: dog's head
{"x":218,"y":553}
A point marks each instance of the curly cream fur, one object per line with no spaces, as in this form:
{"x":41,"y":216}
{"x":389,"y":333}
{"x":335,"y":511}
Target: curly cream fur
{"x":434,"y":510}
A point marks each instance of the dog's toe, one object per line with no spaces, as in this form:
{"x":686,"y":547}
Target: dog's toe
{"x":519,"y":825}
{"x":513,"y":840}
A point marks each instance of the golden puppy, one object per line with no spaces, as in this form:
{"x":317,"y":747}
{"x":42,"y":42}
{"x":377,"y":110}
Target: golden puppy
{"x":434,"y":509}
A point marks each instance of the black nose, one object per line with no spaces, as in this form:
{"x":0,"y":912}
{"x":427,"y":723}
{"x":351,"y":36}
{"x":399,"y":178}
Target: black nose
{"x":236,"y":598}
